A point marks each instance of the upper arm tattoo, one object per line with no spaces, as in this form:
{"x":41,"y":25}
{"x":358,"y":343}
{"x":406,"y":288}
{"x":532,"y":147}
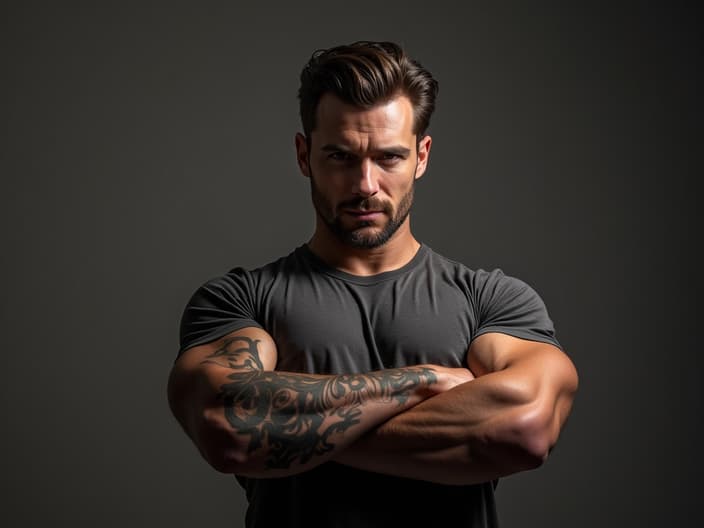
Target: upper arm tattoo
{"x":245,"y":357}
{"x":294,"y":416}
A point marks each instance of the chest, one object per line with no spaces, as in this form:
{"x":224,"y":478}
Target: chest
{"x":331,"y":326}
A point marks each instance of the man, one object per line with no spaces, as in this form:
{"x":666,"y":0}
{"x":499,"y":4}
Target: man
{"x":364,"y":380}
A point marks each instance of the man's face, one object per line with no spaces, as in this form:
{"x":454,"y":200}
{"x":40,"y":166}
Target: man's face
{"x":363,"y":164}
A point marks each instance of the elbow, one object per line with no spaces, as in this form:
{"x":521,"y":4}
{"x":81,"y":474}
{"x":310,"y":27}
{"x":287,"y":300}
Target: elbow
{"x":534,"y":451}
{"x":221,"y":447}
{"x":526,"y":441}
{"x":201,"y":415}
{"x":224,"y":462}
{"x":540,"y":424}
{"x":534,"y":438}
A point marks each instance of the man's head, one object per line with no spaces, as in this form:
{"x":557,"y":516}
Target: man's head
{"x":365,"y":109}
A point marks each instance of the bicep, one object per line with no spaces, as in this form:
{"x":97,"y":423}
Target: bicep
{"x":534,"y":369}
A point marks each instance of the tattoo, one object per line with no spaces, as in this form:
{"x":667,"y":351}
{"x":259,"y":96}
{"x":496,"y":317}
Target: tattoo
{"x":294,"y":416}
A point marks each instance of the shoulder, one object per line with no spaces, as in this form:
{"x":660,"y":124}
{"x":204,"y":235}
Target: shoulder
{"x":229,"y":302}
{"x":240,"y":279}
{"x":476,"y":280}
{"x":479,"y":278}
{"x":499,"y":301}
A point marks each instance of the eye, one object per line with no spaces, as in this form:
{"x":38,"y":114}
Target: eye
{"x":341,"y":156}
{"x":390,"y":158}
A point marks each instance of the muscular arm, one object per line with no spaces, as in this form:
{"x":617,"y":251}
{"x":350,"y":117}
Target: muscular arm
{"x":506,"y":420}
{"x":248,"y":419}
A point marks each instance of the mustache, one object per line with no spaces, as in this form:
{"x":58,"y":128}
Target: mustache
{"x":365,"y":204}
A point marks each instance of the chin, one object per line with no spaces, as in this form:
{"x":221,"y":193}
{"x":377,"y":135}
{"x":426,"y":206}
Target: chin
{"x":368,"y":239}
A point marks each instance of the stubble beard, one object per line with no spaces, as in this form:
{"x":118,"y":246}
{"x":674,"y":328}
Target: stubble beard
{"x":357,"y":236}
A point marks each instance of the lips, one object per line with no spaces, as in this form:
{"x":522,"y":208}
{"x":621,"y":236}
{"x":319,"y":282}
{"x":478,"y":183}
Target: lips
{"x":361,"y":214}
{"x":364,"y":210}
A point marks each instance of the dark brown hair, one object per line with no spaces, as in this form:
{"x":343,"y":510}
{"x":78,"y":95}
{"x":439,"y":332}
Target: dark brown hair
{"x":364,"y":74}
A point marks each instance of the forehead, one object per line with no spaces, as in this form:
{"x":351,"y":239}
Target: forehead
{"x":391,"y":121}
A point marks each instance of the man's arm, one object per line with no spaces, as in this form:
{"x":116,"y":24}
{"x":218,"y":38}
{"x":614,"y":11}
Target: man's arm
{"x":505,"y":421}
{"x":248,"y":419}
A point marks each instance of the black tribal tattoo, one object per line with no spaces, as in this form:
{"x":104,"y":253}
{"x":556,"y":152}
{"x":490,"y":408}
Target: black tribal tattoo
{"x":295,"y":416}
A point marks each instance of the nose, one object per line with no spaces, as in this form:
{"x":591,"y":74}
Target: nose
{"x":366,"y":179}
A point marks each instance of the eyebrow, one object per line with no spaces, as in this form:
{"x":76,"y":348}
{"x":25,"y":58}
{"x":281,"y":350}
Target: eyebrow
{"x":394,"y":149}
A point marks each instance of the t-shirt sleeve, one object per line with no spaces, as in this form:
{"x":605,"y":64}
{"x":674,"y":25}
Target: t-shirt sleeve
{"x":508,"y":305}
{"x":220,"y":306}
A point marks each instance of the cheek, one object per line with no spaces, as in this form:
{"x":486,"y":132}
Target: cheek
{"x":329,"y":184}
{"x":401,"y":188}
{"x":325,"y":195}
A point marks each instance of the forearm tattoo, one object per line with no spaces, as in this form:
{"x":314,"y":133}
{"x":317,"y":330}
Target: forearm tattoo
{"x":294,"y":416}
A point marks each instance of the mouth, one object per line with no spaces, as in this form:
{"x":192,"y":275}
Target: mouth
{"x":363,"y":214}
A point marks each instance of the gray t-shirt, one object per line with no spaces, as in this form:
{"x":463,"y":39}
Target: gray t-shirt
{"x":326,"y":321}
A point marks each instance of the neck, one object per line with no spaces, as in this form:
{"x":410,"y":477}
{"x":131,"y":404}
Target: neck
{"x":395,"y":253}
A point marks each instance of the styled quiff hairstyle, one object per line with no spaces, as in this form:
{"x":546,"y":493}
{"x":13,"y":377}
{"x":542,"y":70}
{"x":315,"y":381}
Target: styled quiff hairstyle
{"x":365,"y":74}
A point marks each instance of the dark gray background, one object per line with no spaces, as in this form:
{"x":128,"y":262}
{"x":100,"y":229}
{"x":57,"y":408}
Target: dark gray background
{"x":148,"y":149}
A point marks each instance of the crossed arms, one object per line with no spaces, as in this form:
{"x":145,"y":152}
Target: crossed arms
{"x":426,"y":422}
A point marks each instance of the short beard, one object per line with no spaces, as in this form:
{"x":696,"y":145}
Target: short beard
{"x":356,"y":237}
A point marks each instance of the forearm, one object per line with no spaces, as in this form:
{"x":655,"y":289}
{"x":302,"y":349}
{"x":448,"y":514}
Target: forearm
{"x":249,"y":419}
{"x":452,"y":438}
{"x":500,"y":423}
{"x":283,"y":423}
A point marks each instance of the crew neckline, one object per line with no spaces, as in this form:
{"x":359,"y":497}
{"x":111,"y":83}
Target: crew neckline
{"x":364,"y":280}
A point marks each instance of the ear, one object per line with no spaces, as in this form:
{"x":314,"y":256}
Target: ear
{"x":423,"y":155}
{"x":302,"y":155}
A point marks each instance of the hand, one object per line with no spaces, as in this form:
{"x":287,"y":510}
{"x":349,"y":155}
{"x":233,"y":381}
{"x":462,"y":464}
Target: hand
{"x":450,"y":377}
